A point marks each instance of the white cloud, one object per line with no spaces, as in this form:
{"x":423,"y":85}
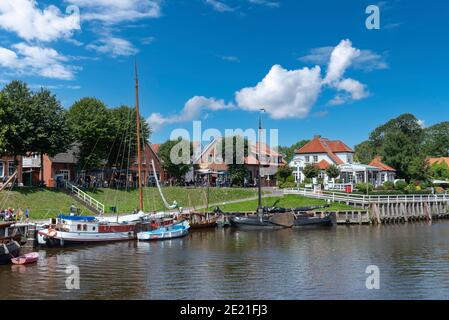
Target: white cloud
{"x":286,"y":93}
{"x":114,"y":46}
{"x":117,"y":11}
{"x":25,"y":59}
{"x":192,"y":110}
{"x":354,"y":89}
{"x":341,"y":58}
{"x":283,"y":93}
{"x":219,"y":6}
{"x":24,"y":18}
{"x":267,"y":3}
{"x":367,"y":60}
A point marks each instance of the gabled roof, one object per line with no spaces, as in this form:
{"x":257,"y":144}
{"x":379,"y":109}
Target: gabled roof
{"x":440,"y":160}
{"x":155,"y":147}
{"x":377,"y":162}
{"x":322,"y":145}
{"x":322,"y":165}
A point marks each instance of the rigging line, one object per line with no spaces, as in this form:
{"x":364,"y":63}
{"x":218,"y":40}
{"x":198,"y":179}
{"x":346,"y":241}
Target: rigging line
{"x":8,"y":193}
{"x":128,"y":127}
{"x":147,"y":167}
{"x":124,"y":130}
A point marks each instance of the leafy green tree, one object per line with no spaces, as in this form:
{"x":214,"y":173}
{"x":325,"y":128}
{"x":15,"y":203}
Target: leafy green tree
{"x":91,"y":128}
{"x":283,"y":173}
{"x":234,"y":151}
{"x":365,"y":152}
{"x":48,"y":123}
{"x":17,"y":135}
{"x":436,"y":140}
{"x":311,"y":171}
{"x":440,"y":170}
{"x":333,"y":171}
{"x":176,"y":157}
{"x":123,"y":143}
{"x":289,"y":152}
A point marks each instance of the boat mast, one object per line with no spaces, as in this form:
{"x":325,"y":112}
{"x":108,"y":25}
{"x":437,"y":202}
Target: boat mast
{"x":259,"y":188}
{"x":139,"y":156}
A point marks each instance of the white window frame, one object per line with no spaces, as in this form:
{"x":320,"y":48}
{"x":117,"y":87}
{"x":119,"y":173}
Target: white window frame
{"x":64,"y":172}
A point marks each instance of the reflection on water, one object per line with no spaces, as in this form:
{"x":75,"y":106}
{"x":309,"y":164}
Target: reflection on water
{"x":229,"y":264}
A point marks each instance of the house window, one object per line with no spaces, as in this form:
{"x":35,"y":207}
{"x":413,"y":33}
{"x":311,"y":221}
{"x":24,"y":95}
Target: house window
{"x":2,"y":173}
{"x":11,"y":168}
{"x":307,"y":159}
{"x":315,"y":158}
{"x":64,"y":173}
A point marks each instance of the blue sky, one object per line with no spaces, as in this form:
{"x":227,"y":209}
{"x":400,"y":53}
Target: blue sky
{"x":313,"y":65}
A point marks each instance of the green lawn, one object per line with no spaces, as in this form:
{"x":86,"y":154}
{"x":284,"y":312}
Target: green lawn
{"x":126,"y":201}
{"x":288,"y":201}
{"x":42,"y":203}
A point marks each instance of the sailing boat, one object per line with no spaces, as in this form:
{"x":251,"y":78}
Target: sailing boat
{"x":69,"y":230}
{"x":261,"y":219}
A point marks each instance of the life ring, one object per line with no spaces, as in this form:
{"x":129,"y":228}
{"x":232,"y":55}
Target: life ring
{"x":52,"y":233}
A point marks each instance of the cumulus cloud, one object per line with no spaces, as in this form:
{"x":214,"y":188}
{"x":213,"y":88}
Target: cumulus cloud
{"x":31,"y":60}
{"x":286,"y":94}
{"x":29,"y":22}
{"x":117,"y":11}
{"x":192,"y":110}
{"x":114,"y":46}
{"x":367,"y":60}
{"x":283,"y":93}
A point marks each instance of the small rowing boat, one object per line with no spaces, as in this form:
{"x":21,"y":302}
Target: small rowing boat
{"x":177,"y":230}
{"x":26,"y":258}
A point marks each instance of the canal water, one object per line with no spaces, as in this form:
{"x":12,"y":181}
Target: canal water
{"x":413,"y":262}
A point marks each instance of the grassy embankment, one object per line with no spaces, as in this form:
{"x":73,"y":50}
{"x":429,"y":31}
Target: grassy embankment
{"x":288,"y":201}
{"x":44,"y":203}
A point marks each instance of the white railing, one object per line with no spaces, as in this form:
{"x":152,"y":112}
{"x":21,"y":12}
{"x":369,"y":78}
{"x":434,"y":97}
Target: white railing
{"x":80,"y":194}
{"x":368,"y":199}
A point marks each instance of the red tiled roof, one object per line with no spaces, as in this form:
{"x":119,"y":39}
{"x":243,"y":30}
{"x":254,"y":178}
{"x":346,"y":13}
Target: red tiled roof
{"x":321,"y":145}
{"x":155,"y":147}
{"x":432,"y":161}
{"x":377,"y":162}
{"x":322,"y":165}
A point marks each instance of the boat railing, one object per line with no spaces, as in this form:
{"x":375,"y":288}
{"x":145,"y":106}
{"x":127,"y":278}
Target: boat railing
{"x":80,"y":194}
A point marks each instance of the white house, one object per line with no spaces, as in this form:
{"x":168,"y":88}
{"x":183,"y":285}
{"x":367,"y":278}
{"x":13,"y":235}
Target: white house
{"x":322,"y":153}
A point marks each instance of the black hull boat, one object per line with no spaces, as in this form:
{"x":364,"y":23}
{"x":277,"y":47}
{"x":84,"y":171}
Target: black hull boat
{"x":264,"y":221}
{"x":305,"y":220}
{"x":8,"y":250}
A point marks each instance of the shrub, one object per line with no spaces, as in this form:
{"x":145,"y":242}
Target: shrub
{"x":388,"y":185}
{"x":400,"y":185}
{"x":363,"y":187}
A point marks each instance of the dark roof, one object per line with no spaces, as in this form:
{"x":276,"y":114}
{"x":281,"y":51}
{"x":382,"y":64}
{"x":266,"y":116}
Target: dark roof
{"x":66,"y":157}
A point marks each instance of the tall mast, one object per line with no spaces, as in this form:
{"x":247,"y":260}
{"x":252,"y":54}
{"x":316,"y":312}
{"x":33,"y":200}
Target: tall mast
{"x":139,"y":155}
{"x":259,"y":188}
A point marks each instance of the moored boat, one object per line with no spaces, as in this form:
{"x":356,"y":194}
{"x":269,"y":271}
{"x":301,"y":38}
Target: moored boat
{"x":73,"y":230}
{"x":172,"y":231}
{"x":28,"y":258}
{"x":9,"y":249}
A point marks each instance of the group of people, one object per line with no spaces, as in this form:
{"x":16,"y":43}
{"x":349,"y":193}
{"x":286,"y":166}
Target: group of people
{"x":13,"y":215}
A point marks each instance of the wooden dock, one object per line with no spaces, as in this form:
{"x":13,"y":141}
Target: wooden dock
{"x":379,"y":209}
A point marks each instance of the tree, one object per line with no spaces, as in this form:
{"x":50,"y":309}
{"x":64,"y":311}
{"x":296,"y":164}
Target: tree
{"x":332,"y":171}
{"x":365,"y":152}
{"x":17,"y":134}
{"x":440,"y":170}
{"x":436,"y":140}
{"x":234,"y":151}
{"x":310,"y":171}
{"x":176,"y":157}
{"x":289,"y":152}
{"x":400,"y":143}
{"x":91,"y":128}
{"x":283,"y":173}
{"x":123,"y":144}
{"x":48,"y":123}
